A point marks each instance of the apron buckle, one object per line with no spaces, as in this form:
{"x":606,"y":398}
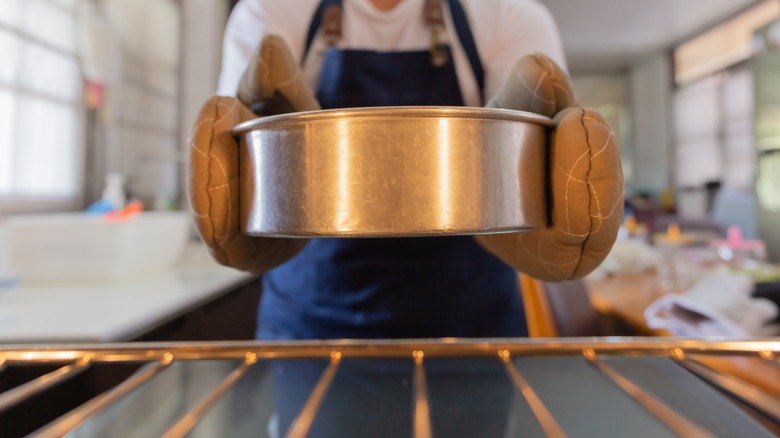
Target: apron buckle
{"x":331,"y":24}
{"x":434,"y":19}
{"x":439,"y":55}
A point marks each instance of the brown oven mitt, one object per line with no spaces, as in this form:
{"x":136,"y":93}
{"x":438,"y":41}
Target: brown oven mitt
{"x":271,"y":84}
{"x":584,"y":175}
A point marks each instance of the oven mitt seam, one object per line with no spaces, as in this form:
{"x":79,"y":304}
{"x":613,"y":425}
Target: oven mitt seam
{"x":584,"y":179}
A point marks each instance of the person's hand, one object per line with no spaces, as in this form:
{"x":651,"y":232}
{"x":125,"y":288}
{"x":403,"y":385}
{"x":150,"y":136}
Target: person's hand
{"x":584,"y":177}
{"x":271,"y":84}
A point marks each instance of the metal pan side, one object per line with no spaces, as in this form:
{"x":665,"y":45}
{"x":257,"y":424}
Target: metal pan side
{"x":398,"y":171}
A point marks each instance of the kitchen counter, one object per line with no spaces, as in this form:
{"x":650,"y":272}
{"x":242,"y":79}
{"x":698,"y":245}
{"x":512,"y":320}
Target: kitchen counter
{"x":114,"y":311}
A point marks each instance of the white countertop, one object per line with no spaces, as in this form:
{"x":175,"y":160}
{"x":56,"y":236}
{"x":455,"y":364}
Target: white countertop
{"x":112,"y":311}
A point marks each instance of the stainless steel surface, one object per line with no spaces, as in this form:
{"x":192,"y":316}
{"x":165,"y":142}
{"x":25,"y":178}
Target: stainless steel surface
{"x":191,"y":418}
{"x":73,"y":419}
{"x":302,"y":424}
{"x":756,"y":397}
{"x":18,"y":394}
{"x":393,"y":171}
{"x":422,"y":411}
{"x":678,"y":423}
{"x":640,"y":392}
{"x":543,"y":415}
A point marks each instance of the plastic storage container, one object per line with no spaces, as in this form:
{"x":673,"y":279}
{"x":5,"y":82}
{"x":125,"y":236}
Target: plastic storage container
{"x":75,"y":247}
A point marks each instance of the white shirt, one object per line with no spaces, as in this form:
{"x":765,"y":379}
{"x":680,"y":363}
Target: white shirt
{"x":504,"y":31}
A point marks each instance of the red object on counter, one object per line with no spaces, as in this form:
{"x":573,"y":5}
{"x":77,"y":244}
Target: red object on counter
{"x":130,"y":210}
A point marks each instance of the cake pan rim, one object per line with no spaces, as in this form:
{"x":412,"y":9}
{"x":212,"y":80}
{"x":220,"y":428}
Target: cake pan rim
{"x":499,"y":114}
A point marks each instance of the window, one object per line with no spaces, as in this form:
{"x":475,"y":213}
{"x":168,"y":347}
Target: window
{"x":714,"y":131}
{"x":41,"y":115}
{"x":723,"y":46}
{"x":609,"y":95}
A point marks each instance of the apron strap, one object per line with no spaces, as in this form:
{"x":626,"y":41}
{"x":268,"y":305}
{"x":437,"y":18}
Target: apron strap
{"x":316,"y":21}
{"x":461,"y":27}
{"x":469,"y":46}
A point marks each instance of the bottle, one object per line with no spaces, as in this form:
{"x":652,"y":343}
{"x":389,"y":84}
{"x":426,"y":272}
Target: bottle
{"x":114,"y":192}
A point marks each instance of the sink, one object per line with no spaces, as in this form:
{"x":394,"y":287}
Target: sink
{"x":77,"y":247}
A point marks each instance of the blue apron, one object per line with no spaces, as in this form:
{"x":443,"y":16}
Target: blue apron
{"x":391,"y":287}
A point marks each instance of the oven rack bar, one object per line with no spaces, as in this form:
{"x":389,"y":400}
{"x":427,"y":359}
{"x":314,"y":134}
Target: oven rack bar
{"x":146,"y":352}
{"x":159,"y":356}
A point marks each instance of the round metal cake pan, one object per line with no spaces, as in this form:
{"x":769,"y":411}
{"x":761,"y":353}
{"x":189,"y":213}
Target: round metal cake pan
{"x":393,"y":171}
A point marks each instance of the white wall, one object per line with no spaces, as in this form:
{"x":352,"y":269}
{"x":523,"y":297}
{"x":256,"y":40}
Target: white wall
{"x":137,"y":130}
{"x":650,"y":84}
{"x":608,"y":93}
{"x":165,"y":66}
{"x":203,"y":26}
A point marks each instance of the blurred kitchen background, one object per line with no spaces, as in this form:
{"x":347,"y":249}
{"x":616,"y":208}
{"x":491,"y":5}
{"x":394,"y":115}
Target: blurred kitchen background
{"x":93,"y":87}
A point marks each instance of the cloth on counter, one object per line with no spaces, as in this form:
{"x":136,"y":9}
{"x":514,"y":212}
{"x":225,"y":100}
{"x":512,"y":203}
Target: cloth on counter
{"x":718,"y":304}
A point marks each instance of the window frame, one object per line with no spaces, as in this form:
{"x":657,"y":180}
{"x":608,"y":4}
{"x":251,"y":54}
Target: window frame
{"x":18,"y":203}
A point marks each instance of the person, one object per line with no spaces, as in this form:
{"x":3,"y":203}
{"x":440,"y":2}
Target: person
{"x":360,"y":53}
